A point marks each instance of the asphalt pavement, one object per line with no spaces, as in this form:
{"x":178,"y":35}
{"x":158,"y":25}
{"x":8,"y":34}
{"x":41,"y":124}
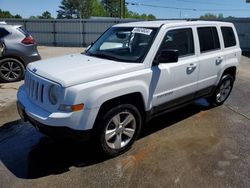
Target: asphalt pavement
{"x":195,"y":146}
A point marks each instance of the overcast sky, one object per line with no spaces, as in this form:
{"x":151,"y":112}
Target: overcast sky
{"x":160,"y":8}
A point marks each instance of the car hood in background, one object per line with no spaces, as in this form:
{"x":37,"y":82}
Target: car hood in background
{"x":78,"y":68}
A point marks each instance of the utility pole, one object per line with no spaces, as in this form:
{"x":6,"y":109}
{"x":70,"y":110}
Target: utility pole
{"x":122,"y":8}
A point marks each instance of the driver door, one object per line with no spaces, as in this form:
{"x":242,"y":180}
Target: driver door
{"x":176,"y":82}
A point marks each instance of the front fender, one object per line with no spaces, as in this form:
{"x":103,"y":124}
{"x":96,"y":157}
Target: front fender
{"x":103,"y":94}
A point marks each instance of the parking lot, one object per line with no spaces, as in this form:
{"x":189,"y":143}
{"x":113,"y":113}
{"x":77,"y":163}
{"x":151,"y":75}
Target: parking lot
{"x":196,"y":146}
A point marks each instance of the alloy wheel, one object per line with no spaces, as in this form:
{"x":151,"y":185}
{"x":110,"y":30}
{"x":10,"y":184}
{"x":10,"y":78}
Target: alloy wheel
{"x":10,"y":70}
{"x":120,"y":130}
{"x":224,"y":91}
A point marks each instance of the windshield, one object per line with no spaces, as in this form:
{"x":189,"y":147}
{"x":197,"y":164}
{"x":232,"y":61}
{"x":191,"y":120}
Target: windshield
{"x":127,"y":44}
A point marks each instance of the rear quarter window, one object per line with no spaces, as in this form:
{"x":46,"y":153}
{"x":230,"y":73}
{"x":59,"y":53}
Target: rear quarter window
{"x":228,"y":36}
{"x":208,"y":39}
{"x":3,"y":32}
{"x":23,"y":31}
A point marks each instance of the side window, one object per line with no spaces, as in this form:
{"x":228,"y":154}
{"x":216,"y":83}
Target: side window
{"x":3,"y":32}
{"x":228,"y":36}
{"x":208,"y":38}
{"x":23,"y":31}
{"x":179,"y":39}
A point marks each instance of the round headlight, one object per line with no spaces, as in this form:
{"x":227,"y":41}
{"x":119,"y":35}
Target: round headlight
{"x":54,"y":93}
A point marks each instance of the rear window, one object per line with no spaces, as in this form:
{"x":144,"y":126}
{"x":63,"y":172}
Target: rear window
{"x":228,"y":36}
{"x":3,"y":32}
{"x":23,"y":31}
{"x":208,"y":38}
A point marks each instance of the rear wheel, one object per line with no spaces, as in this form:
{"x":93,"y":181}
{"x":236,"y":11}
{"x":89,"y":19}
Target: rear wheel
{"x":118,"y":129}
{"x":11,"y":70}
{"x":222,"y":91}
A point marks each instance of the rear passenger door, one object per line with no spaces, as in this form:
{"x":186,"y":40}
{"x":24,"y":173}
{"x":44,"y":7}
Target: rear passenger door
{"x":210,"y":58}
{"x":231,"y":49}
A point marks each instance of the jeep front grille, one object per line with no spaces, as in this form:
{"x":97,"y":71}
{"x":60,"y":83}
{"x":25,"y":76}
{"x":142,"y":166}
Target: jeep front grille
{"x":34,"y":87}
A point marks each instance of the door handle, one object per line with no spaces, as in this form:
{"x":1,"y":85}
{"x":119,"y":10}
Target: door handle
{"x":191,"y":66}
{"x":219,"y":60}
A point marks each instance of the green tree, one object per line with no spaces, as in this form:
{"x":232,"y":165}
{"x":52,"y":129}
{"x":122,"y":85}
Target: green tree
{"x":151,"y":17}
{"x":220,"y":16}
{"x":113,"y":10}
{"x":7,"y":14}
{"x":17,"y":16}
{"x":46,"y":15}
{"x":131,"y":14}
{"x":97,"y":9}
{"x":74,"y":9}
{"x":33,"y":17}
{"x":67,"y":10}
{"x":71,"y":9}
{"x":211,"y":16}
{"x":112,"y":7}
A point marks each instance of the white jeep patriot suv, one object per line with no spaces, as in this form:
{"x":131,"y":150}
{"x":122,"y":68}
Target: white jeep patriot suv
{"x":132,"y":72}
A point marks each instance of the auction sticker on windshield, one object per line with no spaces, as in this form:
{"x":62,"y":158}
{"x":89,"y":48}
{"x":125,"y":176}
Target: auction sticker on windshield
{"x":144,"y":31}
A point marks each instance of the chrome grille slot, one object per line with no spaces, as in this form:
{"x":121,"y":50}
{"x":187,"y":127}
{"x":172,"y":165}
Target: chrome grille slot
{"x":36,"y":90}
{"x":34,"y":87}
{"x":41,"y":94}
{"x":27,"y":80}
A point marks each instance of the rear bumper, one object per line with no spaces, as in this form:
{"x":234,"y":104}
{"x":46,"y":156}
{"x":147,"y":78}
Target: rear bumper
{"x":54,"y":132}
{"x":32,"y":58}
{"x":26,"y":56}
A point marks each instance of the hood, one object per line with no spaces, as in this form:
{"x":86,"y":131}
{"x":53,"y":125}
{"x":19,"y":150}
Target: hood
{"x":78,"y":68}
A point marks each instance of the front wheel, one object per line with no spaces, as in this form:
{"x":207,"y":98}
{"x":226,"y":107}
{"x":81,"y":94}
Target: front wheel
{"x":222,"y":91}
{"x":118,"y":129}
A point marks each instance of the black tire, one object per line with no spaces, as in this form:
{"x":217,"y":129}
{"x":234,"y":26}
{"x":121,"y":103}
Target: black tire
{"x":107,"y":121}
{"x":11,"y":70}
{"x":215,"y":99}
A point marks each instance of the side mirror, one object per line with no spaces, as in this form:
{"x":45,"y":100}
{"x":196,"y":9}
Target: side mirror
{"x":167,"y":56}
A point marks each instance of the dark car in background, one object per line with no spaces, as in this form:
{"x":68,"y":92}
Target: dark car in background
{"x":17,"y":49}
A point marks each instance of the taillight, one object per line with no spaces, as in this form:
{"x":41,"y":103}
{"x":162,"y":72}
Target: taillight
{"x":28,"y":40}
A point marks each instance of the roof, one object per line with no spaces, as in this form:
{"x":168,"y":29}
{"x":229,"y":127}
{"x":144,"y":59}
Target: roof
{"x":5,"y":25}
{"x":3,"y":22}
{"x":169,"y":22}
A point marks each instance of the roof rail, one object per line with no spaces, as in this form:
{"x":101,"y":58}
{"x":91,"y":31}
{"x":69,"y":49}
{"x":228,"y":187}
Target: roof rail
{"x":191,"y":19}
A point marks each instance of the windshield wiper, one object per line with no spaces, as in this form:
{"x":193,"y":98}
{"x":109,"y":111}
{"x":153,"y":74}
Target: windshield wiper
{"x":105,"y":56}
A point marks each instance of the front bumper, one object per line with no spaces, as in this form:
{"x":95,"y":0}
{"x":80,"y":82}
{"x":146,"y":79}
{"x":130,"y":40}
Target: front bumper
{"x":54,"y":132}
{"x":77,"y":121}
